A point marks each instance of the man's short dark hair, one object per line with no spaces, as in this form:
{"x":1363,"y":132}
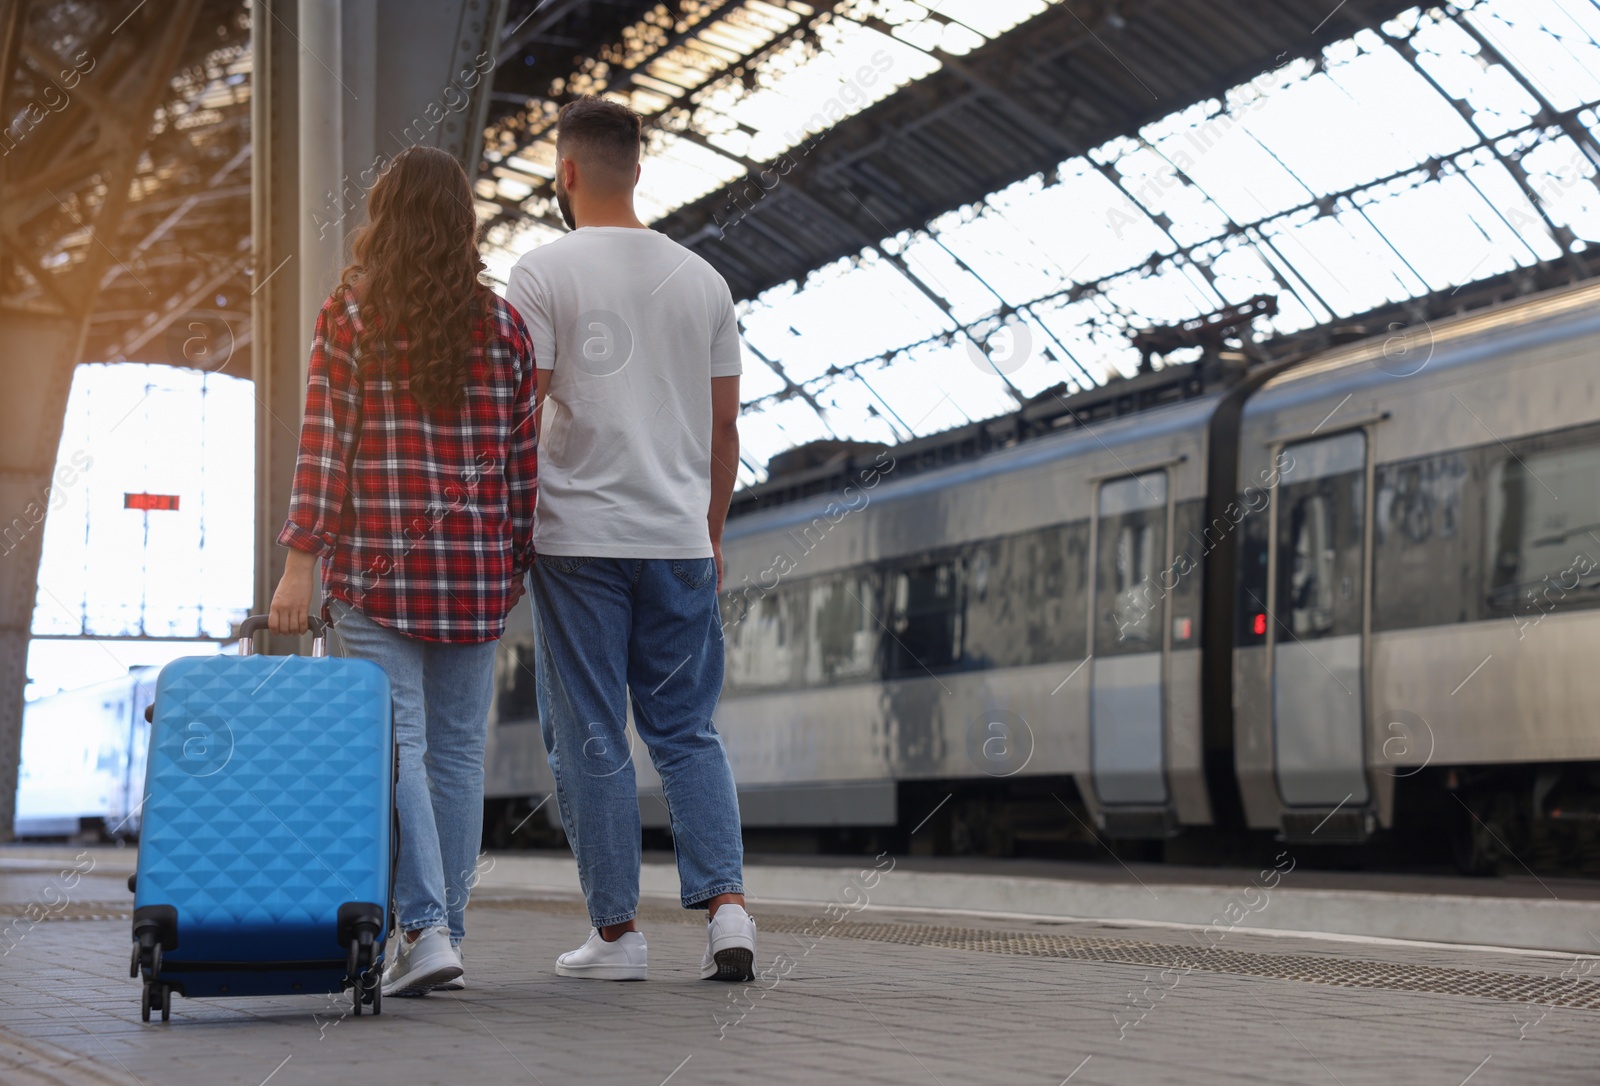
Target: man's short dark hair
{"x":601,"y":134}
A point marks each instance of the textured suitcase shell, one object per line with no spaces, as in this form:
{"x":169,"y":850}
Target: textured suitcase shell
{"x":268,"y":804}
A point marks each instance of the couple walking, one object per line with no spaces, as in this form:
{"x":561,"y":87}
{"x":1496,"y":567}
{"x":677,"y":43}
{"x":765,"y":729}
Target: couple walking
{"x":415,"y":486}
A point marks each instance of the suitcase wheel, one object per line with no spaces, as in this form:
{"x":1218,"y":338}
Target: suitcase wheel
{"x":362,"y":973}
{"x":155,"y":997}
{"x":146,"y":953}
{"x":368,"y":991}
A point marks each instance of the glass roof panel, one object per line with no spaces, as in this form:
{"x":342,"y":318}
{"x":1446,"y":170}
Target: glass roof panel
{"x":1449,"y":54}
{"x":855,"y":413}
{"x":776,"y":425}
{"x":1158,"y":185}
{"x":759,"y":378}
{"x":1552,"y":44}
{"x":855,"y":314}
{"x":938,"y":267}
{"x":1233,"y":169}
{"x":1535,"y":241}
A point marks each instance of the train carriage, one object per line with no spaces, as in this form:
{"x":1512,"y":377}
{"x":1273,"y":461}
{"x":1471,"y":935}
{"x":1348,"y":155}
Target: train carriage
{"x":1419,"y":591}
{"x":1003,"y":618}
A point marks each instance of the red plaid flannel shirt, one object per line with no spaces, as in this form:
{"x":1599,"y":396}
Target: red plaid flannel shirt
{"x":425,"y":522}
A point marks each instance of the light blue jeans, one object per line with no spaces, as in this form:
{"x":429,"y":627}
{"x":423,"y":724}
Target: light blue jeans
{"x":441,"y":711}
{"x":605,"y":627}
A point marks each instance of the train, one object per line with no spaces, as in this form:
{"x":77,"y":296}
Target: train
{"x":83,"y":758}
{"x":1333,"y":599}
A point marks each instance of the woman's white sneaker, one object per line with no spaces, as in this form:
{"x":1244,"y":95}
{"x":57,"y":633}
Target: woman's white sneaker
{"x":730,"y":946}
{"x":422,"y":964}
{"x":458,"y":984}
{"x":624,"y":958}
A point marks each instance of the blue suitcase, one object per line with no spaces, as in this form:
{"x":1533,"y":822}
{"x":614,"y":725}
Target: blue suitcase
{"x":269,"y":836}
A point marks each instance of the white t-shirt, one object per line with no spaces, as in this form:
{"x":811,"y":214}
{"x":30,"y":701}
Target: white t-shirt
{"x":628,"y":329}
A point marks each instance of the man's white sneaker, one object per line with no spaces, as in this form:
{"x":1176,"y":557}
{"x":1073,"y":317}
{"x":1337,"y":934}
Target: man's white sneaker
{"x":730,"y":946}
{"x":459,"y":984}
{"x":422,"y":964}
{"x":624,"y":958}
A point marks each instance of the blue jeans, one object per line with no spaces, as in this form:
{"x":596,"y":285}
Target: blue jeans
{"x":441,"y":712}
{"x":605,"y":627}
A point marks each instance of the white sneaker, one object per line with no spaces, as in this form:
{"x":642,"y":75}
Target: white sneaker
{"x":625,"y":958}
{"x":459,"y":984}
{"x":730,"y":946}
{"x":421,"y":965}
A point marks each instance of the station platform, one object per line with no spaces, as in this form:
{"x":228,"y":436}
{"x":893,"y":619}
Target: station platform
{"x":930,"y":972}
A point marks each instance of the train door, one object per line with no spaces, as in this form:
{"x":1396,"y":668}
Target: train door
{"x":1133,"y":521}
{"x":1316,"y":622}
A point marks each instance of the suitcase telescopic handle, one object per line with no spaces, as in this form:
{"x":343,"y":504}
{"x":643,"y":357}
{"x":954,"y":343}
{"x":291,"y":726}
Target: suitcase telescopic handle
{"x":256,"y":623}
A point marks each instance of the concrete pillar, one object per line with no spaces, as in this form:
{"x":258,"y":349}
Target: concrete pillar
{"x":37,"y":355}
{"x":277,"y":349}
{"x":325,"y":96}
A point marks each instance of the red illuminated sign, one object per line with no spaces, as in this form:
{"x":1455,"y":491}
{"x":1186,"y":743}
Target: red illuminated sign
{"x":148,"y":502}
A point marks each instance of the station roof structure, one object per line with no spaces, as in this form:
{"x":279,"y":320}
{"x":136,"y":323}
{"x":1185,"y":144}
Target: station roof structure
{"x":934,"y":213}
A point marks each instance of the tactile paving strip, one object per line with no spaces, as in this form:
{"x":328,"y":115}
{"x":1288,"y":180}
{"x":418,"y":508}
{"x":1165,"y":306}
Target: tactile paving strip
{"x":1314,"y":969}
{"x":1308,"y":968}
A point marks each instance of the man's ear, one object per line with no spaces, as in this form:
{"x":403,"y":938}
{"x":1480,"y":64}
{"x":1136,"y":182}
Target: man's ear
{"x":638,"y":171}
{"x":569,"y":171}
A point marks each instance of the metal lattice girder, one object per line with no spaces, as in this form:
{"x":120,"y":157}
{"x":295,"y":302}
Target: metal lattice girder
{"x":102,"y":148}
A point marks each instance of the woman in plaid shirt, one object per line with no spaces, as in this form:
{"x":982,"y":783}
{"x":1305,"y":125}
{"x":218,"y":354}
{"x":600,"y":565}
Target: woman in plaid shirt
{"x":415,"y":487}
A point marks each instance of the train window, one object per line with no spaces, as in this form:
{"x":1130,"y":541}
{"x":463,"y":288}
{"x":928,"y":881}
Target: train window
{"x":995,"y":634}
{"x":516,"y":698}
{"x":926,"y":618}
{"x":766,"y":638}
{"x":1310,"y":566}
{"x":844,"y":627}
{"x":1425,"y":539}
{"x":1132,"y":554}
{"x":1025,"y":598}
{"x":1321,"y":513}
{"x":1543,"y":524}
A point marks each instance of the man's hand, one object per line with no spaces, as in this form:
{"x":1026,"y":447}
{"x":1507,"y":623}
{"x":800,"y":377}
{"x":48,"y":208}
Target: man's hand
{"x":291,"y":603}
{"x":716,"y":556}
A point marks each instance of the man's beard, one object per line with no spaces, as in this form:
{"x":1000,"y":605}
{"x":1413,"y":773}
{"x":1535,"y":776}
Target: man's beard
{"x":565,"y":204}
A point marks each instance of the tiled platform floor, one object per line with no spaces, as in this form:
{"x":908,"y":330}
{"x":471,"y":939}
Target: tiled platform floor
{"x":869,"y":997}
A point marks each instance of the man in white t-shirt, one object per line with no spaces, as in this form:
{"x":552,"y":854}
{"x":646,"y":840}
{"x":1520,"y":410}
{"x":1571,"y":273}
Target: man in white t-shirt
{"x":637,"y":347}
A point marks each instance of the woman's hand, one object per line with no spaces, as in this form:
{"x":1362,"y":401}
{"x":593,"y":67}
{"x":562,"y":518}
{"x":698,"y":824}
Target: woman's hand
{"x":291,"y":603}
